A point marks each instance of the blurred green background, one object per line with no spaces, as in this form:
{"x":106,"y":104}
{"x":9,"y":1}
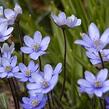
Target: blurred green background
{"x":36,"y":16}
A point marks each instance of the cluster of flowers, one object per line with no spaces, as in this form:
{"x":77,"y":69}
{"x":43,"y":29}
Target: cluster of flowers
{"x":39,"y":82}
{"x":98,"y":54}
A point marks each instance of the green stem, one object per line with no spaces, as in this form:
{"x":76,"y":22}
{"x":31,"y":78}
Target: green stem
{"x":101,"y":104}
{"x":64,"y":64}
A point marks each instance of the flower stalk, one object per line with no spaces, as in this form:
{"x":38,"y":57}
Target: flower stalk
{"x":64,"y":64}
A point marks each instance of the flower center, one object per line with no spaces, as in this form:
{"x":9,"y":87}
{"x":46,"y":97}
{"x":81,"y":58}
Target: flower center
{"x":28,"y":73}
{"x":36,"y":47}
{"x":35,"y":103}
{"x":45,"y":84}
{"x":97,"y":42}
{"x":98,"y":84}
{"x":8,"y":68}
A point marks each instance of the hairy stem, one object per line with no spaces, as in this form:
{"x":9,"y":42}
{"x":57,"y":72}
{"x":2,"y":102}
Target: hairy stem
{"x":100,"y":100}
{"x":64,"y":63}
{"x":49,"y":103}
{"x":13,"y":94}
{"x":101,"y":104}
{"x":101,"y":59}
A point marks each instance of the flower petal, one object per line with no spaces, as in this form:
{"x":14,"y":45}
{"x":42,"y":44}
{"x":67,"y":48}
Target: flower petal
{"x":102,"y":75}
{"x":9,"y":13}
{"x":93,"y":32}
{"x":8,"y":31}
{"x":37,"y":37}
{"x":14,"y":61}
{"x":22,"y":67}
{"x":31,"y":65}
{"x":18,"y":9}
{"x":98,"y":93}
{"x":26,"y":50}
{"x":58,"y":69}
{"x":15,"y":69}
{"x":37,"y":77}
{"x":44,"y":43}
{"x":35,"y":55}
{"x":83,"y":43}
{"x":32,"y":86}
{"x":105,"y":36}
{"x":28,"y":41}
{"x":84,"y":83}
{"x":89,"y":77}
{"x":48,"y":72}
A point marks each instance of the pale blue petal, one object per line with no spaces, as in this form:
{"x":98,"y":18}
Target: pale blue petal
{"x":32,"y":86}
{"x":26,"y":50}
{"x":83,"y":43}
{"x":35,"y":55}
{"x":48,"y":72}
{"x":31,"y":65}
{"x":98,"y":93}
{"x":58,"y":68}
{"x":15,"y":69}
{"x":14,"y":61}
{"x":45,"y":42}
{"x":84,"y":83}
{"x":18,"y":9}
{"x":93,"y":32}
{"x":90,"y":77}
{"x":37,"y":37}
{"x":105,"y":37}
{"x":37,"y":77}
{"x":9,"y":13}
{"x":22,"y":67}
{"x":28,"y":41}
{"x":8,"y":31}
{"x":5,"y":62}
{"x":102,"y":75}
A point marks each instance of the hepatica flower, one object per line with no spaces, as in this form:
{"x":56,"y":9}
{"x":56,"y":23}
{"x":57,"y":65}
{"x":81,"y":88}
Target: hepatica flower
{"x":34,"y":102}
{"x":95,"y":58}
{"x":93,"y":40}
{"x":8,"y":68}
{"x":5,"y":32}
{"x":97,"y":85}
{"x":44,"y":81}
{"x":35,"y":46}
{"x":62,"y":21}
{"x":7,"y":50}
{"x":26,"y":72}
{"x":10,"y":15}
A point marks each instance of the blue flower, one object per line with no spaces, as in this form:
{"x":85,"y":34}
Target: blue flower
{"x":95,"y":84}
{"x":34,"y":102}
{"x":5,"y":32}
{"x":9,"y":15}
{"x":8,"y":68}
{"x":7,"y":50}
{"x":35,"y":47}
{"x":95,"y":58}
{"x":92,"y":40}
{"x":26,"y":72}
{"x":62,"y":21}
{"x":44,"y":81}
